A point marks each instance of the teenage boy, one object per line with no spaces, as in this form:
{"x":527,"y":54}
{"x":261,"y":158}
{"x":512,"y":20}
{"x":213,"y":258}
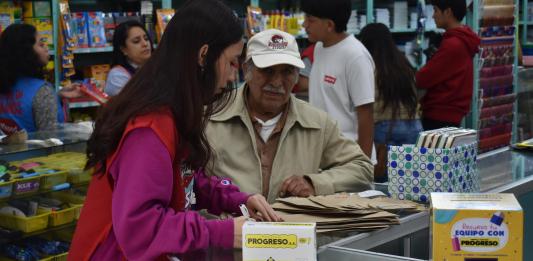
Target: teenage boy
{"x":342,"y":78}
{"x":448,"y":76}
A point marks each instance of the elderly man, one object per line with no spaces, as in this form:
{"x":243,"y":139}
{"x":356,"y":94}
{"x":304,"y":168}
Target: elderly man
{"x":270,"y":142}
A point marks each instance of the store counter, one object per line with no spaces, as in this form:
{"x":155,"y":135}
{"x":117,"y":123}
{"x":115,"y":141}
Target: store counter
{"x":501,"y":171}
{"x":504,"y":171}
{"x":72,"y":136}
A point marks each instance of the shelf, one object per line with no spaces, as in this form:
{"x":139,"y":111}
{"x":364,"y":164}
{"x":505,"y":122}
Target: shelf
{"x":40,"y":192}
{"x":402,"y":30}
{"x":526,"y":22}
{"x":49,"y":229}
{"x":75,"y":105}
{"x":94,"y":50}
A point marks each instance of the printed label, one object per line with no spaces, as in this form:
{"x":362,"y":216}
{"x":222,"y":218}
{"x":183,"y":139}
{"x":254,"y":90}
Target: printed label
{"x":330,"y":79}
{"x":271,"y":241}
{"x":479,"y":235}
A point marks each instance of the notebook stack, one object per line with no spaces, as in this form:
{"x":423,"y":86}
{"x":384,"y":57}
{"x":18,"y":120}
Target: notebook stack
{"x":446,"y":138}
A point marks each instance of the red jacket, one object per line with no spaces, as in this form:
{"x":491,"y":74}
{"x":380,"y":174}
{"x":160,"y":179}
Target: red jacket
{"x":95,"y":221}
{"x":448,"y":77}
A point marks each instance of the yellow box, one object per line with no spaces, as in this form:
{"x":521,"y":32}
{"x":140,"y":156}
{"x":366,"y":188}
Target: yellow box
{"x":476,"y":226}
{"x":280,"y":241}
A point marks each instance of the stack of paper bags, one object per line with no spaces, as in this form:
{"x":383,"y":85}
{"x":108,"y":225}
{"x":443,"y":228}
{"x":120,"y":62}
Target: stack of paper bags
{"x":341,"y":212}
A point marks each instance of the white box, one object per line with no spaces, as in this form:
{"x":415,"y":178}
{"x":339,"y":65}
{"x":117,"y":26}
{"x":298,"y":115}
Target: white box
{"x":280,"y":241}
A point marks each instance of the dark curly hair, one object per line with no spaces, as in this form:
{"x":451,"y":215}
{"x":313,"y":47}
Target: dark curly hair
{"x":17,"y":57}
{"x":172,"y":79}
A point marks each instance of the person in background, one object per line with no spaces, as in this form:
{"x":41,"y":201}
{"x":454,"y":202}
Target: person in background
{"x":149,"y":149}
{"x":272,"y":143}
{"x":448,"y":76}
{"x":303,"y":81}
{"x":27,"y":101}
{"x":132,"y":47}
{"x":395,"y":109}
{"x":342,"y":77}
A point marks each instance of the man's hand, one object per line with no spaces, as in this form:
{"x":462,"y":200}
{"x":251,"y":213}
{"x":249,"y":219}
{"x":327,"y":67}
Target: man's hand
{"x":298,"y":186}
{"x":260,"y":209}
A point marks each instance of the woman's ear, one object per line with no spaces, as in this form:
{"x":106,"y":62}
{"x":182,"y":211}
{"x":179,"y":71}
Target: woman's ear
{"x":123,"y":50}
{"x":202,"y":54}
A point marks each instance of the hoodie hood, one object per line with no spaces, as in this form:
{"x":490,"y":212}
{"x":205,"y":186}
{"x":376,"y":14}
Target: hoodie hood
{"x":467,"y":36}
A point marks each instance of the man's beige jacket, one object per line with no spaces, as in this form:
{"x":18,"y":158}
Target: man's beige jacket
{"x":311,"y":145}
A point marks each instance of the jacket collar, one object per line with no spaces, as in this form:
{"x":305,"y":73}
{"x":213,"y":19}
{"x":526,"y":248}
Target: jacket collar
{"x":238,"y":109}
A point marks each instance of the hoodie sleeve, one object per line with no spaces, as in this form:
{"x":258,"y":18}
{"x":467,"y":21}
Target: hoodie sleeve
{"x":449,"y":60}
{"x":144,"y":226}
{"x":217,"y":194}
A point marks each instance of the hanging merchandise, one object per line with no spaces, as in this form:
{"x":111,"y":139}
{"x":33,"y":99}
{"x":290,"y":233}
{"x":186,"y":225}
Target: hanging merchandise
{"x":255,"y":19}
{"x":79,"y":22}
{"x":496,"y":78}
{"x":67,"y":43}
{"x":163,"y":18}
{"x":95,"y":29}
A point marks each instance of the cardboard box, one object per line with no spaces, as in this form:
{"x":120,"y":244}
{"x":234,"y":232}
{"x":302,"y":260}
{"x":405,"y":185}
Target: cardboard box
{"x":262,"y":241}
{"x":474,"y":226}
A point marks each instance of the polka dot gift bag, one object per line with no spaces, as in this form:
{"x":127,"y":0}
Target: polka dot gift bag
{"x":414,"y":172}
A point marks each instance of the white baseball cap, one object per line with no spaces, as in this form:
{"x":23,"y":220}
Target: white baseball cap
{"x":272,"y":47}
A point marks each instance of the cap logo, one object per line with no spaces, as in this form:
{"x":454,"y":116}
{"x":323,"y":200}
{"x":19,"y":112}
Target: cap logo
{"x":277,"y":42}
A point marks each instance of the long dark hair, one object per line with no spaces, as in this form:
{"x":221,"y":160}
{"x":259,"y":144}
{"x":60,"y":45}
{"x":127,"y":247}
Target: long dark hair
{"x":173,"y":79}
{"x":17,"y":57}
{"x":119,"y":40}
{"x":395,"y":78}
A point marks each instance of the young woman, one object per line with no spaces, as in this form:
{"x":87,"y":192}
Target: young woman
{"x":27,"y":101}
{"x":395,"y":107}
{"x":132,"y":47}
{"x":149,"y":149}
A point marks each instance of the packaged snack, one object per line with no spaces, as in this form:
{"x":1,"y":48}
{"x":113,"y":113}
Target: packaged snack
{"x":95,"y":29}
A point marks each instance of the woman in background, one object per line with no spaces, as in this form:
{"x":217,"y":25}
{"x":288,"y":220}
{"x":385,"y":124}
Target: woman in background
{"x":132,"y":47}
{"x":27,"y":101}
{"x":395,"y":107}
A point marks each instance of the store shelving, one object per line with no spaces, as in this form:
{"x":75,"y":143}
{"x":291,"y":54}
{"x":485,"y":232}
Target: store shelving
{"x":76,"y":105}
{"x":94,"y":50}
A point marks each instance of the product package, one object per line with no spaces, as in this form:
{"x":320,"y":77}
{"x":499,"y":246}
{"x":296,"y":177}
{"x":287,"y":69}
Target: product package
{"x":79,"y":22}
{"x":163,"y":18}
{"x":476,"y":227}
{"x":95,"y":29}
{"x":98,"y":72}
{"x":109,"y":27}
{"x":278,"y":241}
{"x":255,"y":20}
{"x":414,"y":172}
{"x":44,"y":27}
